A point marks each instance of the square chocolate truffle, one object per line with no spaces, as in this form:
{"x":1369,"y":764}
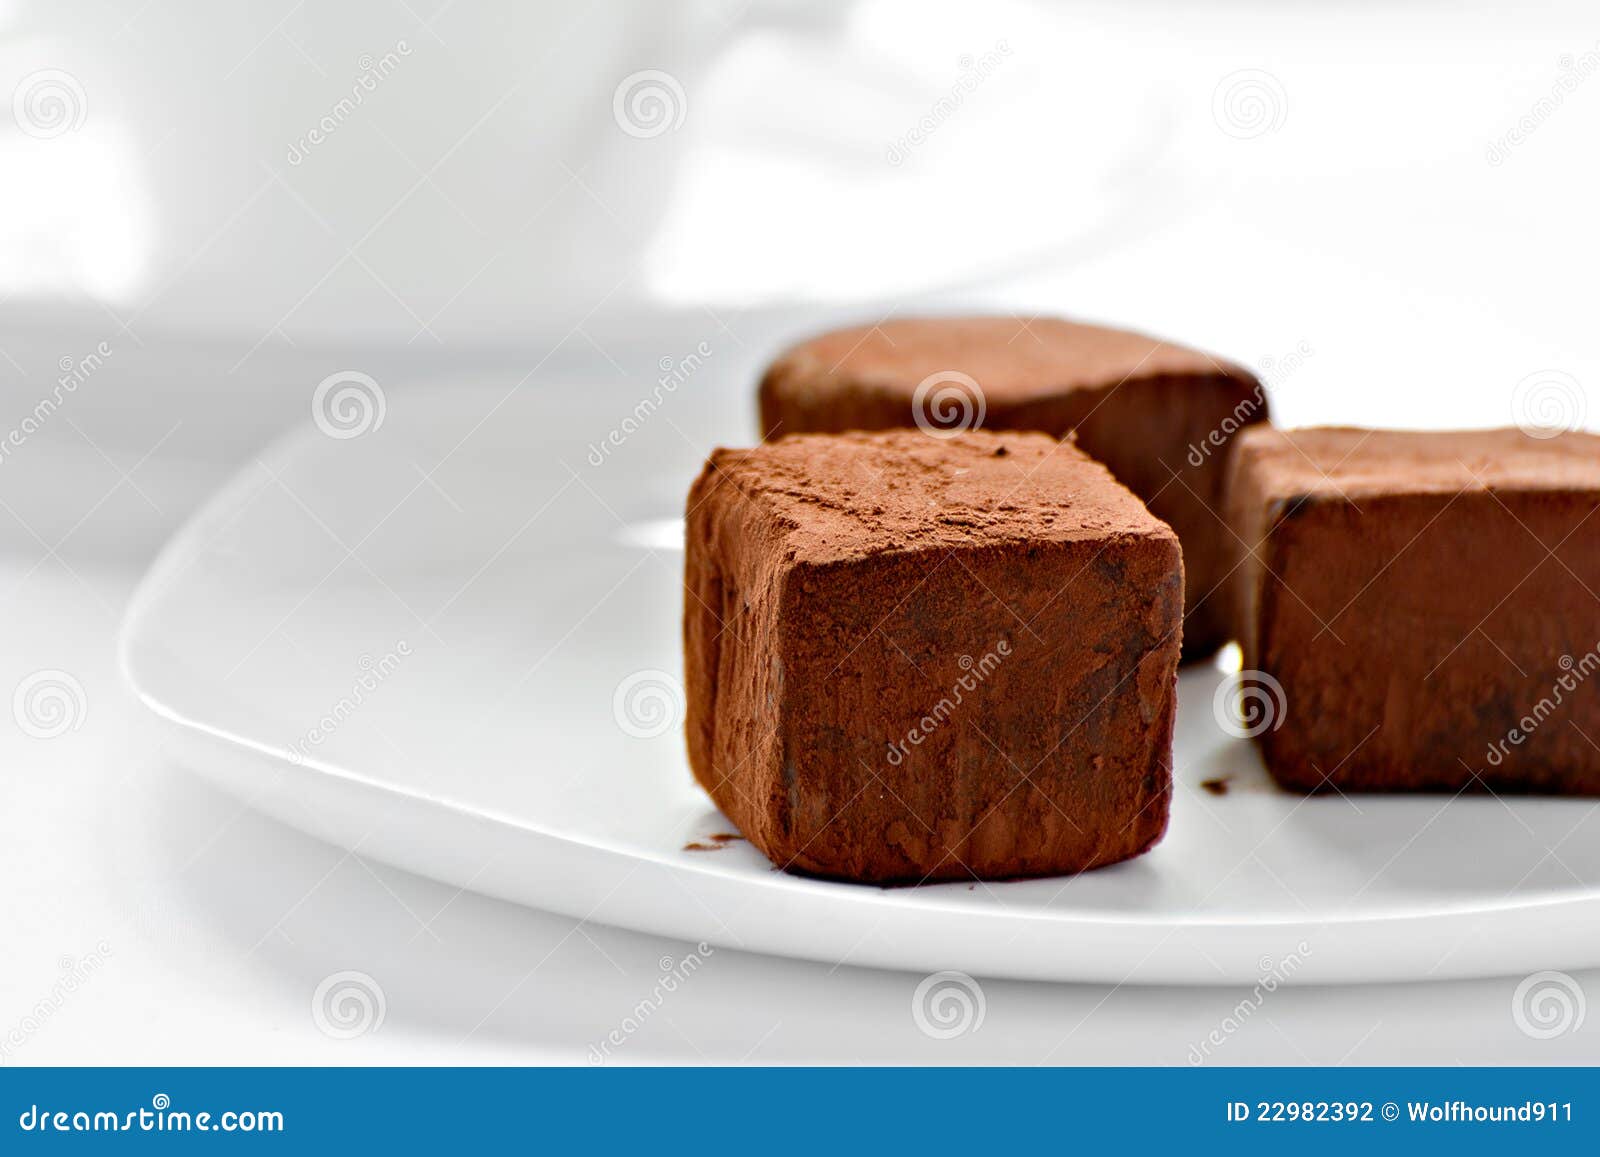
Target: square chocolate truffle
{"x":1158,"y":414}
{"x":915,"y":658}
{"x":1421,"y":611}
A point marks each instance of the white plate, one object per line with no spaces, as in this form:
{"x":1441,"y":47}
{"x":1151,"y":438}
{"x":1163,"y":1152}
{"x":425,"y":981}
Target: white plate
{"x":495,"y":588}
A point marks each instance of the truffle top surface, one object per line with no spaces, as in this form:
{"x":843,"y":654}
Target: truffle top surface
{"x":1012,"y":359}
{"x":848,"y":496}
{"x":1348,"y":462}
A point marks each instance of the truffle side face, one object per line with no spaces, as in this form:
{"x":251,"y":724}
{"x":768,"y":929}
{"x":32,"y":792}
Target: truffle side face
{"x":995,"y":702}
{"x":1158,"y":414}
{"x":733,"y":574}
{"x":1431,"y":618}
{"x":992,"y":712}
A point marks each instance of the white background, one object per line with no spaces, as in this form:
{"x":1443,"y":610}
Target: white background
{"x":483,"y":210}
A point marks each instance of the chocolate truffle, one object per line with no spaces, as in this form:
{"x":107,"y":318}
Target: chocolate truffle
{"x":1159,"y":415}
{"x":913,"y":658}
{"x":1419,"y":611}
